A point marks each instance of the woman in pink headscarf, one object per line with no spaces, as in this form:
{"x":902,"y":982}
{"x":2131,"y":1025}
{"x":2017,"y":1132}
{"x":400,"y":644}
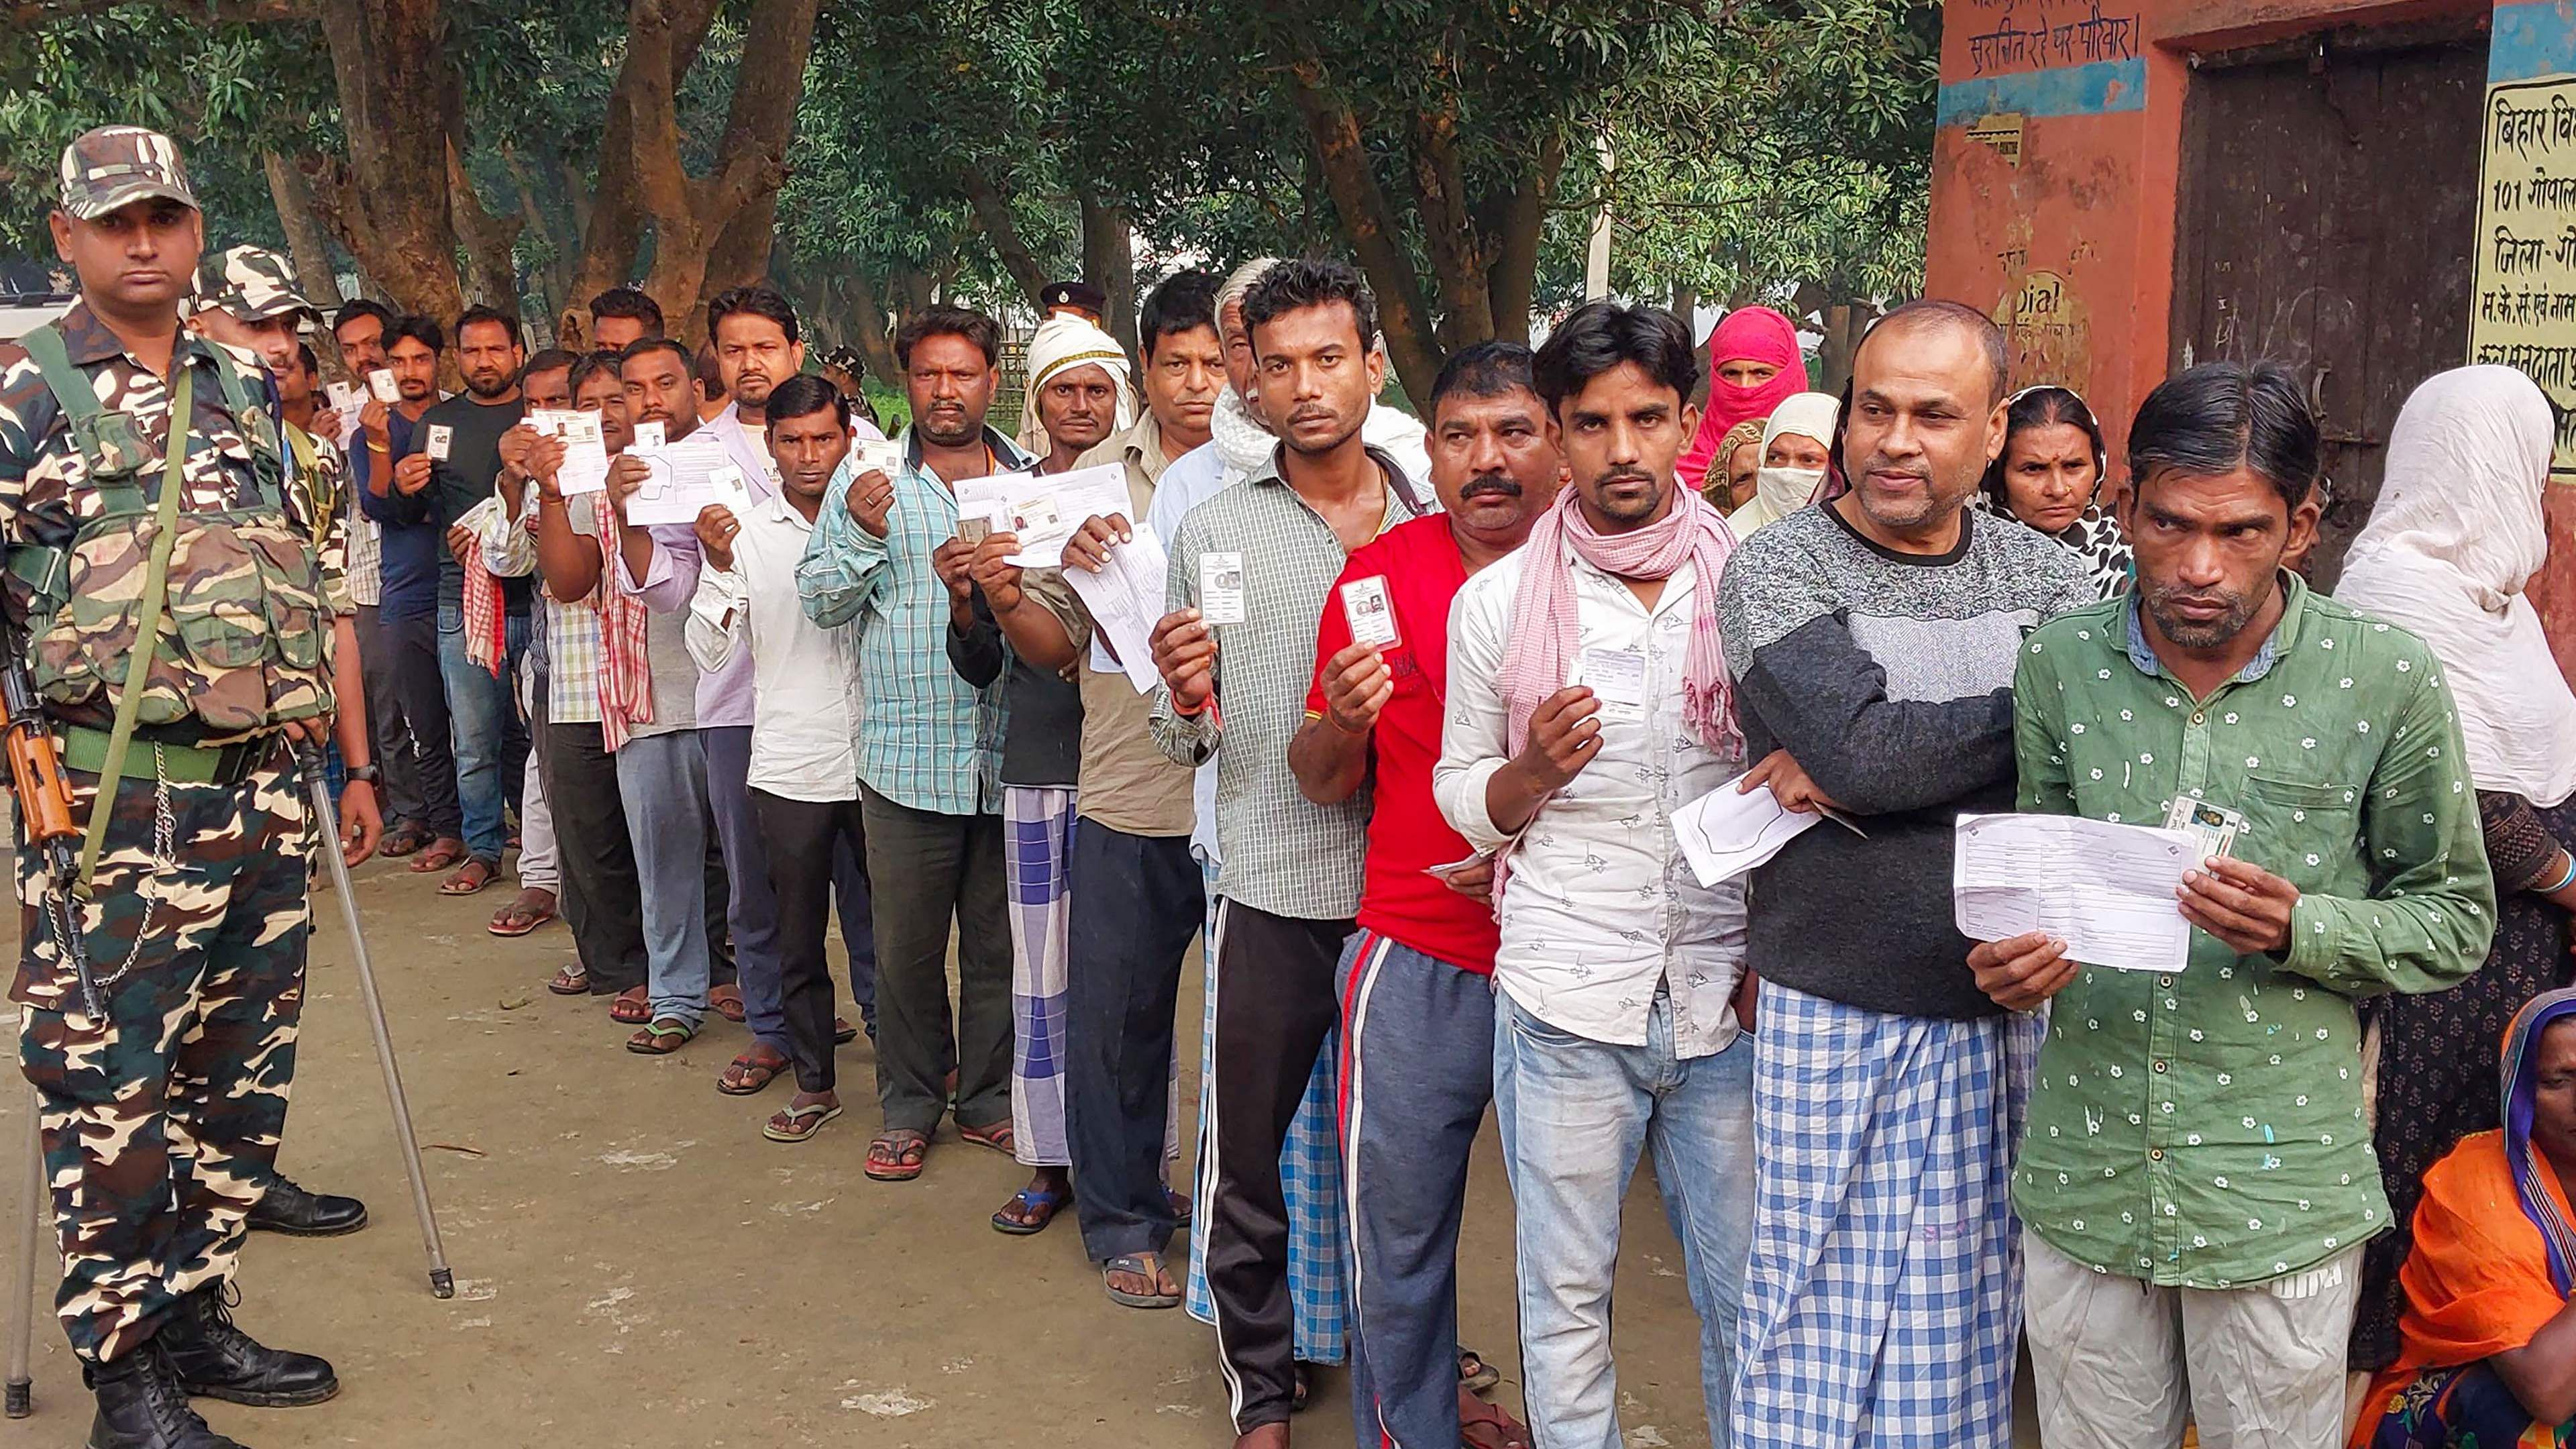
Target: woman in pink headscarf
{"x":1754,"y":363}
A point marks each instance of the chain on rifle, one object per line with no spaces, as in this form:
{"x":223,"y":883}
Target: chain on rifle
{"x":164,"y":832}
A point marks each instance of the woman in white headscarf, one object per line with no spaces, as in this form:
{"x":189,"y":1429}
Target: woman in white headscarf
{"x":1797,"y":447}
{"x":2455,"y":536}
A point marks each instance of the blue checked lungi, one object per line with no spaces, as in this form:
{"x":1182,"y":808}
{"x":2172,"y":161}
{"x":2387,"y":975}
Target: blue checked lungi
{"x":1039,"y":825}
{"x":1882,"y":1305}
{"x":1310,"y":1175}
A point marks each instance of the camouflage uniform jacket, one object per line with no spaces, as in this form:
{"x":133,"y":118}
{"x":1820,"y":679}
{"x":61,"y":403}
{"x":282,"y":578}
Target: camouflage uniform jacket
{"x":45,"y":497}
{"x":322,"y":471}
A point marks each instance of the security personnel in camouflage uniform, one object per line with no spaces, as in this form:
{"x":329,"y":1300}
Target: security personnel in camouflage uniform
{"x":246,"y":297}
{"x":140,"y":477}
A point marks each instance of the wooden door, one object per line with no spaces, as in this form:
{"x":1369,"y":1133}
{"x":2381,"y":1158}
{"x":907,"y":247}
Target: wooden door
{"x":2329,"y":193}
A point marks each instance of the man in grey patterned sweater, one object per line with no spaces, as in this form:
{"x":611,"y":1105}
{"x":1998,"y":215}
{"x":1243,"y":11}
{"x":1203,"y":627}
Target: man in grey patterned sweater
{"x":1873,"y":640}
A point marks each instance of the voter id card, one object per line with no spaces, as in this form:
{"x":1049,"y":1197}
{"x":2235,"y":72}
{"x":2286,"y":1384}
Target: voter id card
{"x":2214,"y":827}
{"x":442,"y":441}
{"x":1221,"y":588}
{"x":1617,"y":678}
{"x":1371,"y":612}
{"x":650,"y":437}
{"x":381,"y":383}
{"x":731,"y":491}
{"x":343,"y":395}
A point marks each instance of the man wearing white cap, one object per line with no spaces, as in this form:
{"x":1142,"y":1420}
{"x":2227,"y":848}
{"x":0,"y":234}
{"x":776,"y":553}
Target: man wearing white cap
{"x":1079,"y":374}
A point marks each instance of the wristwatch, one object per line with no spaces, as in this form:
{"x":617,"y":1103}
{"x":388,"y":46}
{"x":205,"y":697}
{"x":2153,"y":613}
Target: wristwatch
{"x":363,"y":774}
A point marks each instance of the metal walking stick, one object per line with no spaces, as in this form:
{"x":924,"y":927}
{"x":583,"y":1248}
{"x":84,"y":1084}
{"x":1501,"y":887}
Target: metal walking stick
{"x":441,"y":1281}
{"x":22,"y":1309}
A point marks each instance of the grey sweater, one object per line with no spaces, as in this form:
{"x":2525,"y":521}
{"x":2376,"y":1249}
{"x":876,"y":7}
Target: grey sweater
{"x":1888,"y":678}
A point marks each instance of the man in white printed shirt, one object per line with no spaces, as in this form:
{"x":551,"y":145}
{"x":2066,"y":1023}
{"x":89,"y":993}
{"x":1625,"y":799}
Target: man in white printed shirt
{"x":1587,"y":702}
{"x":804,"y":771}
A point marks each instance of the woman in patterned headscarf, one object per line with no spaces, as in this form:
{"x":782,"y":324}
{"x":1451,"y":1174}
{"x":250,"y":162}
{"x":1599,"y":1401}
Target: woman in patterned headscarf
{"x":2050,"y":476}
{"x":2489,"y":1357}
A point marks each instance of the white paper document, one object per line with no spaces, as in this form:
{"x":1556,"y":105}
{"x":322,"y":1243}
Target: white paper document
{"x":1125,"y":598}
{"x":1043,"y":510}
{"x":585,"y":461}
{"x":2106,"y":890}
{"x":686,"y":477}
{"x":1725,"y":834}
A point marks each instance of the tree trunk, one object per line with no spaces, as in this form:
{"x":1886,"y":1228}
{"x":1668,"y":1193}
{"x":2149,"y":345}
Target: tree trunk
{"x":1450,"y":235}
{"x":1522,"y":217}
{"x":993,"y":213}
{"x":1412,"y":341}
{"x":398,"y":104}
{"x":691,"y":215}
{"x":306,"y":245}
{"x":613,"y":218}
{"x":1109,"y":263}
{"x":868,"y":329}
{"x":490,"y":241}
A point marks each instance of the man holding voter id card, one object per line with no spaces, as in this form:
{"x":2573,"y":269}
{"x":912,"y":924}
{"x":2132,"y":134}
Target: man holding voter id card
{"x":2197,"y":1177}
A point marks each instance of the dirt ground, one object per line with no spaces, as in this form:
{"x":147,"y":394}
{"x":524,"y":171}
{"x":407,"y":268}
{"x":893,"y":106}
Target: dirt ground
{"x":637,"y":1267}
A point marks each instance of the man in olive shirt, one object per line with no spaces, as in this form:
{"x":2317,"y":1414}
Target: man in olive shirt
{"x":2197,"y":1176}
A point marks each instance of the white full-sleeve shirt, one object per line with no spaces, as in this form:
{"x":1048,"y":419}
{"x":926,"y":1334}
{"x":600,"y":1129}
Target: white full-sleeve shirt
{"x":1601,"y":908}
{"x":804,"y":678}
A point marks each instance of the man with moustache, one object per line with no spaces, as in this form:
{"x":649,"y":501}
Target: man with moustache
{"x":803,"y":770}
{"x":391,"y":477}
{"x":359,"y":330}
{"x":161,"y":1073}
{"x":1078,"y":393}
{"x":929,"y":748}
{"x":657,"y":714}
{"x":2182,"y":1265}
{"x":1873,"y":641}
{"x":1590,"y":703}
{"x":1417,"y":1020}
{"x":1136,"y":893}
{"x":603,"y":902}
{"x":1235,"y":693}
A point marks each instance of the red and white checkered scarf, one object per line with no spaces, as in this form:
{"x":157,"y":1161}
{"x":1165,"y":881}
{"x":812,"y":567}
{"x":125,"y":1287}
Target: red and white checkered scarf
{"x":625,"y":673}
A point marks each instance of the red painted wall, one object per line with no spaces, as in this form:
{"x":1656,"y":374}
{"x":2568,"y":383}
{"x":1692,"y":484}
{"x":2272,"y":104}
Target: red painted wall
{"x":2073,"y":247}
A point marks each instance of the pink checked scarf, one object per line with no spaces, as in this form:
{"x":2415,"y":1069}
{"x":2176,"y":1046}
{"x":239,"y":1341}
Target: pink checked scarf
{"x":1544,"y":623}
{"x":625,"y":673}
{"x":486,"y":636}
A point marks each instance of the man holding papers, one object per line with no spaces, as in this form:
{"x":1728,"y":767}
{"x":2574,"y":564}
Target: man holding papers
{"x":1135,"y":891}
{"x":1873,"y":640}
{"x":2198,"y":1177}
{"x":1417,"y":1032}
{"x":1588,"y":701}
{"x":930,"y":747}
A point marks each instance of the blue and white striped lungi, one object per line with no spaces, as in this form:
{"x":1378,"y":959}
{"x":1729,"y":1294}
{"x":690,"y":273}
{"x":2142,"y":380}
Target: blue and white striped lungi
{"x":1882,"y":1305}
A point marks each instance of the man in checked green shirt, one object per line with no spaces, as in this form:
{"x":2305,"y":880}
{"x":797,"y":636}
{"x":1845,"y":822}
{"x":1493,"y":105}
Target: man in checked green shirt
{"x":2196,"y":1174}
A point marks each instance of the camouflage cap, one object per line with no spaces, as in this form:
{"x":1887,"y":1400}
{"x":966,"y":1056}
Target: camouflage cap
{"x":253,"y":284}
{"x":110,"y":166}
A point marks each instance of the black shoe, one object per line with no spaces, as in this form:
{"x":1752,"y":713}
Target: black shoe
{"x":215,"y":1360}
{"x":142,"y":1406}
{"x":286,"y":1208}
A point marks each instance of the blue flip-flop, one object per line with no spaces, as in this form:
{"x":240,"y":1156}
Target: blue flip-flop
{"x":1030,"y":1200}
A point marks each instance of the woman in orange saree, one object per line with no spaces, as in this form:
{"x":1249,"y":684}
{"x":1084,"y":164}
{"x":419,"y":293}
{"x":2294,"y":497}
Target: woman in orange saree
{"x":2489,"y":1334}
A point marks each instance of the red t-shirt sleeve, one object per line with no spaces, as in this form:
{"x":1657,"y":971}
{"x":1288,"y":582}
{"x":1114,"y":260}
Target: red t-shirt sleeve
{"x":1333,"y":632}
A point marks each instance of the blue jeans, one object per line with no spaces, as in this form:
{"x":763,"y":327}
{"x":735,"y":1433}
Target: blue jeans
{"x":1575,"y":1115}
{"x":483,"y":719}
{"x":663,"y":781}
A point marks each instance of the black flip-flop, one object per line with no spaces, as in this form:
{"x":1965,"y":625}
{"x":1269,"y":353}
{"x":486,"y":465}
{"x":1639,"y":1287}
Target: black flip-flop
{"x":1135,"y":1263}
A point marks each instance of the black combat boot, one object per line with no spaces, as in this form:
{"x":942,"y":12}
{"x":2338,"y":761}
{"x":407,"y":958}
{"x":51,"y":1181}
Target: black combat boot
{"x":142,"y":1406}
{"x":215,"y":1360}
{"x":286,"y":1208}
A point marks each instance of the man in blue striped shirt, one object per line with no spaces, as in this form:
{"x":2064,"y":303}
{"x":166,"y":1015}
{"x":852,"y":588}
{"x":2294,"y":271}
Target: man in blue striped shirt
{"x":885,"y":553}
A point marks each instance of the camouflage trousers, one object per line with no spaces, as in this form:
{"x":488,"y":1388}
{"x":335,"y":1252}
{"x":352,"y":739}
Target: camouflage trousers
{"x":161,"y":1122}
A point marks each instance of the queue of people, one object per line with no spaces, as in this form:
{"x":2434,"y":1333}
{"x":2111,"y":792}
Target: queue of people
{"x":1399,"y":729}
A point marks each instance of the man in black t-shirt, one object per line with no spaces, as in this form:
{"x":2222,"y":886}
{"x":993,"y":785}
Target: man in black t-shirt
{"x":462,"y":437}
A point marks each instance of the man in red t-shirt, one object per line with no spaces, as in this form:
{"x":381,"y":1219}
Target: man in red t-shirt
{"x":1417,"y":1000}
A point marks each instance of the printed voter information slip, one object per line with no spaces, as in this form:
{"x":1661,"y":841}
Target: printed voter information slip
{"x":683,"y":479}
{"x":1371,"y":612}
{"x":1221,"y":588}
{"x":381,"y":383}
{"x":1617,"y":678}
{"x":1125,"y":599}
{"x":2106,"y":890}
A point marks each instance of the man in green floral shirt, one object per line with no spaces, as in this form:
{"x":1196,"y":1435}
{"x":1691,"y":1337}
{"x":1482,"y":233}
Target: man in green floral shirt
{"x":2197,"y":1177}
